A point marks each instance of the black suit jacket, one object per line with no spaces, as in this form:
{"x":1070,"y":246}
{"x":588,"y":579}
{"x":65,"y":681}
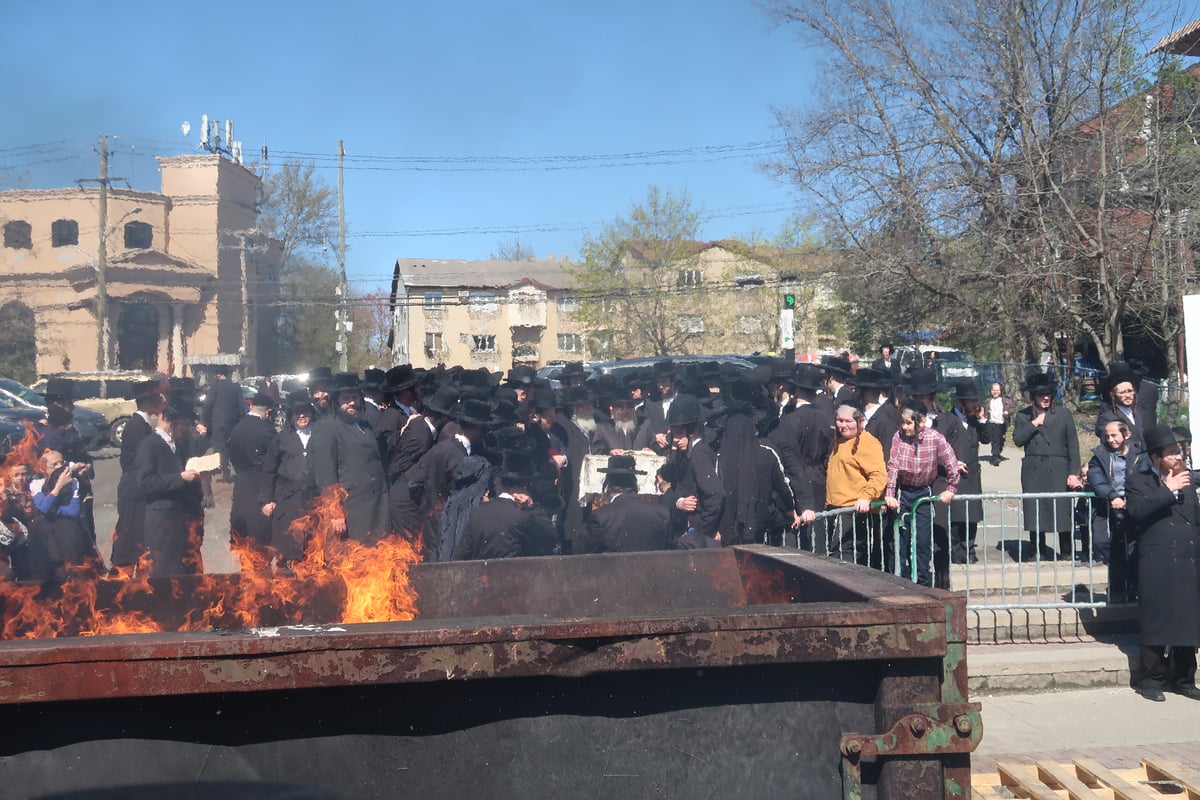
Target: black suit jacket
{"x":803,"y":440}
{"x":347,"y":453}
{"x":883,"y":425}
{"x":174,"y":507}
{"x":502,"y":529}
{"x":627,"y":525}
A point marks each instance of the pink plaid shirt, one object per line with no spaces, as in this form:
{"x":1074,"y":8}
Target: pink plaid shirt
{"x":914,"y":462}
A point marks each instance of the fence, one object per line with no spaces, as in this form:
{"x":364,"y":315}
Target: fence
{"x":1017,"y":586}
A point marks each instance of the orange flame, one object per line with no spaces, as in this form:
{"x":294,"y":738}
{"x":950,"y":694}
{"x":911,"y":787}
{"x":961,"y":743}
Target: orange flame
{"x":347,"y":581}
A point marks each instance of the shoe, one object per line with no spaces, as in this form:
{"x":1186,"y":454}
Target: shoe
{"x":1187,"y":690}
{"x":1153,"y":694}
{"x":958,"y":559}
{"x":995,"y":461}
{"x":972,"y":559}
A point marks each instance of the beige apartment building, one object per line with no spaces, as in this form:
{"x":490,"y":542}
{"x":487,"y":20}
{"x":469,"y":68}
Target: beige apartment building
{"x":187,"y":279}
{"x":492,"y":314}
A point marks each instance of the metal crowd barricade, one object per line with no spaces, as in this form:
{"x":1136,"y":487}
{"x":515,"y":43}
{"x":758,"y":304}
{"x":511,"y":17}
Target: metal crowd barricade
{"x":1014,"y":589}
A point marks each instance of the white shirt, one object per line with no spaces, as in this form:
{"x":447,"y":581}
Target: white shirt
{"x":166,"y":437}
{"x":466,"y":443}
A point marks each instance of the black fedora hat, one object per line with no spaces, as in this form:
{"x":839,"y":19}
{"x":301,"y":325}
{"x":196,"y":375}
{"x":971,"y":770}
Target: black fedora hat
{"x":621,"y":465}
{"x":443,"y":400}
{"x":148,"y":388}
{"x":575,"y":395}
{"x":783,"y":370}
{"x":473,"y":411}
{"x":1039,"y":382}
{"x":837,"y":367}
{"x":923,"y":380}
{"x":541,"y":397}
{"x":664,"y":369}
{"x":1116,"y":377}
{"x":372,"y":379}
{"x":399,"y":378}
{"x":869,"y":378}
{"x":300,"y":400}
{"x":573,"y":369}
{"x":59,"y":389}
{"x":517,"y":466}
{"x":808,"y":376}
{"x":262,"y":400}
{"x":521,"y":375}
{"x":965,"y":389}
{"x":1158,"y":437}
{"x":685,"y":410}
{"x":320,"y":376}
{"x":180,"y":405}
{"x":344,"y":381}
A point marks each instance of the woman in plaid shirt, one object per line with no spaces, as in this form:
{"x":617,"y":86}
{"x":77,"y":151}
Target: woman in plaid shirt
{"x":916,"y":455}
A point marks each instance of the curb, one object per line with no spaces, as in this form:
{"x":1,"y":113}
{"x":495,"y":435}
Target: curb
{"x":1059,"y":666}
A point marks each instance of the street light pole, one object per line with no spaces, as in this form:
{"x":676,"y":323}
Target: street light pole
{"x":343,"y":322}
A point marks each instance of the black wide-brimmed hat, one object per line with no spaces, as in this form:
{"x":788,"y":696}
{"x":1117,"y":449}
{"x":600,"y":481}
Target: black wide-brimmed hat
{"x":783,"y":370}
{"x":300,"y":400}
{"x":521,"y":375}
{"x":147,"y":388}
{"x":575,"y":395}
{"x":1039,"y":382}
{"x":517,"y":466}
{"x":664,"y":369}
{"x":262,"y":400}
{"x":1158,"y":437}
{"x":808,"y":376}
{"x":573,"y":369}
{"x":180,"y":405}
{"x":373,"y":379}
{"x":541,"y":397}
{"x":965,"y":389}
{"x":923,"y":380}
{"x":443,"y":400}
{"x":59,"y":389}
{"x":344,"y":381}
{"x":473,"y":411}
{"x":621,"y":465}
{"x":685,"y":410}
{"x":319,"y":376}
{"x":399,"y":378}
{"x":878,"y":379}
{"x":1115,"y":377}
{"x":181,"y":384}
{"x":837,"y":367}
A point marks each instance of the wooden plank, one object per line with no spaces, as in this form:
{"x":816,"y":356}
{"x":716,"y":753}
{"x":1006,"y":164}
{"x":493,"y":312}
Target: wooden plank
{"x":1158,"y":769}
{"x":1092,"y":771}
{"x":1017,"y":779}
{"x":1058,"y":776}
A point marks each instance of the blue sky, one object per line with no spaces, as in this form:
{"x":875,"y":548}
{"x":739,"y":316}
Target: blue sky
{"x":469,"y":86}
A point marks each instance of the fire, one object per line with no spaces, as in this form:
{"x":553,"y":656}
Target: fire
{"x":338,"y":580}
{"x":26,"y":451}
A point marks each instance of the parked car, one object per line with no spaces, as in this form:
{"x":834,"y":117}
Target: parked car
{"x":950,"y":364}
{"x":11,"y":432}
{"x":93,"y":427}
{"x":622,"y":367}
{"x":107,"y":393}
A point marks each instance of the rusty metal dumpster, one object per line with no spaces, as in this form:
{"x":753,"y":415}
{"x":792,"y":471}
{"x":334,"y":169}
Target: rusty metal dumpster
{"x":742,"y":672}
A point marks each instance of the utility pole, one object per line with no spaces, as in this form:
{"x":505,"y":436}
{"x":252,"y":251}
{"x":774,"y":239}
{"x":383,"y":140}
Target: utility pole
{"x":101,"y":264}
{"x":343,"y":320}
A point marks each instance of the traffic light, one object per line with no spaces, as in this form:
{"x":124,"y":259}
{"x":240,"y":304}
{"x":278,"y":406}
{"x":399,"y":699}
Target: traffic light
{"x":789,"y":301}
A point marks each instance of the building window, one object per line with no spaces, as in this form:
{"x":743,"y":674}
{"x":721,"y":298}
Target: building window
{"x":483,"y":343}
{"x":483,"y":302}
{"x":567,"y":304}
{"x":748,"y":281}
{"x":570,"y":343}
{"x":690,"y":277}
{"x":748,"y":324}
{"x":433,"y":301}
{"x":691,"y":323}
{"x":138,"y":235}
{"x":433,"y":344}
{"x":18,"y":234}
{"x":64,"y":232}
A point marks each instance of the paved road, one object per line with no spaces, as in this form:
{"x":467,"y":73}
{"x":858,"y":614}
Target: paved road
{"x":217,"y":557}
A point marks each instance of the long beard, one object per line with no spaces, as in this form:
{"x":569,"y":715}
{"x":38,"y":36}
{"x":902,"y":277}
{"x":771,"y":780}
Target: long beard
{"x":586,"y":424}
{"x":625,"y":426}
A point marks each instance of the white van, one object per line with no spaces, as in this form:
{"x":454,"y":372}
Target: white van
{"x":950,"y":364}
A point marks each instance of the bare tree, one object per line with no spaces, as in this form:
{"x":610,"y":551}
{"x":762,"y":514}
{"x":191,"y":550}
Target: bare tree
{"x":971,"y":162}
{"x":512,"y":250}
{"x":299,"y":209}
{"x":638,"y":294}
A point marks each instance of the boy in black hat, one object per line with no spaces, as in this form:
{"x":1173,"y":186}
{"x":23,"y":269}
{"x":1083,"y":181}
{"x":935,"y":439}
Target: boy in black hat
{"x":511,"y":525}
{"x":174,"y":499}
{"x":625,"y":524}
{"x":701,"y":493}
{"x":249,"y":441}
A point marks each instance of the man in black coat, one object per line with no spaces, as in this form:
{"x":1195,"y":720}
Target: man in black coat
{"x":345,"y":452}
{"x":1161,"y":500}
{"x":964,"y":515}
{"x":431,"y":479}
{"x":625,"y":524}
{"x":568,"y":428}
{"x":620,"y":433}
{"x":374,"y":396}
{"x":803,"y":440}
{"x":222,"y":409}
{"x":129,"y":534}
{"x":510,"y":524}
{"x":288,"y":484}
{"x":656,"y":410}
{"x":174,"y":500}
{"x":700,"y":492}
{"x":887,"y":362}
{"x":838,"y":376}
{"x":249,"y":529}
